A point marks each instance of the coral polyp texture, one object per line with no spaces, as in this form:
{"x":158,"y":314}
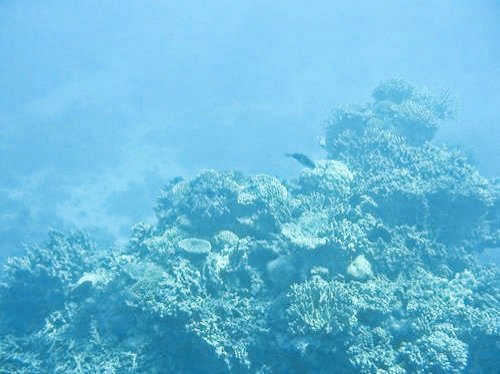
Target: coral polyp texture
{"x":367,"y":262}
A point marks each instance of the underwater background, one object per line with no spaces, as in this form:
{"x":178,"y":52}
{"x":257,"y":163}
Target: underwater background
{"x":250,"y":186}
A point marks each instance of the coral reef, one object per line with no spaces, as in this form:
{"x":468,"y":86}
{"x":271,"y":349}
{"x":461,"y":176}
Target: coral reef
{"x":366,"y":262}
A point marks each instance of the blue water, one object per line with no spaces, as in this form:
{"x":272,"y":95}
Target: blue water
{"x":249,"y":187}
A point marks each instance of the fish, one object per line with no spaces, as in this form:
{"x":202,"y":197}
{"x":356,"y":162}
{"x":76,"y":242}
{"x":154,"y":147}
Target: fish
{"x":303,"y":159}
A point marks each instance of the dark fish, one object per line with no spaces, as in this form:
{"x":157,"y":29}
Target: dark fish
{"x":303,"y":159}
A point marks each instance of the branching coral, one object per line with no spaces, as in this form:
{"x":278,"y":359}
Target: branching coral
{"x":366,"y":262}
{"x":321,"y":307}
{"x":413,"y":113}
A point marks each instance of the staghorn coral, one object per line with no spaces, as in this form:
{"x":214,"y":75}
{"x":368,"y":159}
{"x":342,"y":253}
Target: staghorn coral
{"x":367,"y":263}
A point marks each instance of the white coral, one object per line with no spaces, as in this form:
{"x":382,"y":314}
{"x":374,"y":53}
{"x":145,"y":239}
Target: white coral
{"x":360,"y":268}
{"x":328,"y":176}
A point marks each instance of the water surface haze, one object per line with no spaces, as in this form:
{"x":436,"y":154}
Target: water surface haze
{"x":103,"y":102}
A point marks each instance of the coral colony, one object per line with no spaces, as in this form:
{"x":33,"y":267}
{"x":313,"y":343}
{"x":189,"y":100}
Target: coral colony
{"x":366,"y":262}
